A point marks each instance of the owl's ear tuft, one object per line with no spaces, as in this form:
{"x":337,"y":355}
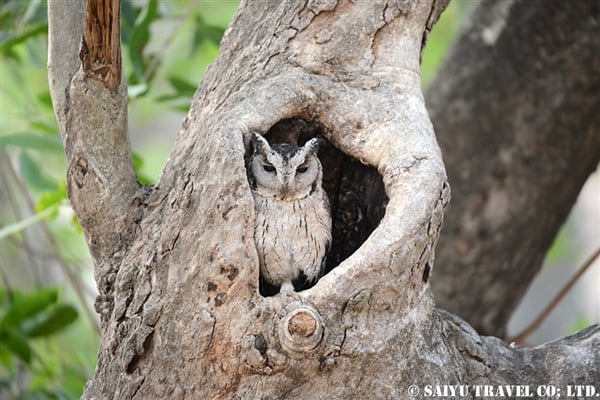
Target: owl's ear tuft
{"x":259,"y":143}
{"x":312,"y":146}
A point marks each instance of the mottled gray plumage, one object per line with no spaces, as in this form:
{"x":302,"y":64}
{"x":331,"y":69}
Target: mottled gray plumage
{"x":293,"y":221}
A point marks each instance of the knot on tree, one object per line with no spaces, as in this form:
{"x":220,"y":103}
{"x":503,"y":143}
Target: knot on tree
{"x":301,"y":330}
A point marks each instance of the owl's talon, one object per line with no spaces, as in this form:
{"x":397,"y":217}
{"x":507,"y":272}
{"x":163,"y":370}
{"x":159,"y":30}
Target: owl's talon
{"x":287,"y":292}
{"x":286,"y":287}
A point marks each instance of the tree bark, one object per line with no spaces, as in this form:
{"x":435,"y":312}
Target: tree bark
{"x":183,"y":316}
{"x":515,"y":107}
{"x":90,"y":103}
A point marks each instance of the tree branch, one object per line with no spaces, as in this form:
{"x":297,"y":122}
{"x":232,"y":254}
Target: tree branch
{"x":90,"y":101}
{"x":490,"y":361}
{"x":521,"y":336}
{"x":515,"y":110}
{"x":65,"y":30}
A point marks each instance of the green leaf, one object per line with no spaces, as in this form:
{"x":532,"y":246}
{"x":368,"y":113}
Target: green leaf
{"x":76,"y":224}
{"x":16,"y":345}
{"x":170,"y":97}
{"x":138,"y":164}
{"x":27,"y":306}
{"x":8,"y":44}
{"x":43,"y":126}
{"x":183,"y":108}
{"x":182,"y":86}
{"x":563,"y":248}
{"x":139,"y":38}
{"x":45,"y":99}
{"x":206,"y":32}
{"x":137,"y":160}
{"x":134,"y":91}
{"x":6,"y":358}
{"x":53,"y":321}
{"x":143,"y":179}
{"x":27,"y":222}
{"x":129,"y":15}
{"x":33,"y":174}
{"x":52,"y":199}
{"x":32,"y":141}
{"x":35,"y":11}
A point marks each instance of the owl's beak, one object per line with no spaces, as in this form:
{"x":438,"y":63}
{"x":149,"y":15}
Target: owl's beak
{"x":284,"y":189}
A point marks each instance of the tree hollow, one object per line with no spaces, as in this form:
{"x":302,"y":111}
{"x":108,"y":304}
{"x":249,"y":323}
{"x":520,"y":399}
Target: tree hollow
{"x":356,"y":192}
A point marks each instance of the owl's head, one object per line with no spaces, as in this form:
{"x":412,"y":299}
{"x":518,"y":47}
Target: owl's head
{"x":285,"y":171}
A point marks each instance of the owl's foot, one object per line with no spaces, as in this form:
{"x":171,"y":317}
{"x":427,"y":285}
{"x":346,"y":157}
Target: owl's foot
{"x":286,"y":287}
{"x":287,"y":291}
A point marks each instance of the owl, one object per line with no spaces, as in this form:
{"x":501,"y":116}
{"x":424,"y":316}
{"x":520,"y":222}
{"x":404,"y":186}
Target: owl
{"x":293,"y":221}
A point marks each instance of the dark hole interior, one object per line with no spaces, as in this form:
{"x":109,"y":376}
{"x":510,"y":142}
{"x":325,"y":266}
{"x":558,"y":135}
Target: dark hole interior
{"x":356,"y":194}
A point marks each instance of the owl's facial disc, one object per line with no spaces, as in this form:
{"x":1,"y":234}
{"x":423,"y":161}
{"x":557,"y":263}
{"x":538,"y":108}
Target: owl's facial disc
{"x":285,"y":171}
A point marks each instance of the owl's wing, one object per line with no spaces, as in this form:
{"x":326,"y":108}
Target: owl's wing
{"x":318,"y":269}
{"x":324,"y":261}
{"x":315,"y":271}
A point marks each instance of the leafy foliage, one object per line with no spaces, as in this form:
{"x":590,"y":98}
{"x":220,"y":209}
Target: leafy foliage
{"x":166,"y":47}
{"x":24,"y":319}
{"x":138,"y":38}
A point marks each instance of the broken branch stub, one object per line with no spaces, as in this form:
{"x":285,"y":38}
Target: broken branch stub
{"x":301,"y":330}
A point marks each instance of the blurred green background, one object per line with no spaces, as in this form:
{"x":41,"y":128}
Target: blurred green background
{"x":48,"y":328}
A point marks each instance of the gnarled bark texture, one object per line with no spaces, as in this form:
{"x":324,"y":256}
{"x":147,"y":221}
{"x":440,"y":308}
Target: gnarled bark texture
{"x":178,"y":270}
{"x":515,"y":107}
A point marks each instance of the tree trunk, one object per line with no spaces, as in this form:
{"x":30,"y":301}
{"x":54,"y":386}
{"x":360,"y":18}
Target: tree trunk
{"x":515,"y":107}
{"x":182,"y":313}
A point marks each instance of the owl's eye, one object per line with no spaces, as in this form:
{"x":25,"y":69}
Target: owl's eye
{"x":269,"y":168}
{"x":301,"y":170}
